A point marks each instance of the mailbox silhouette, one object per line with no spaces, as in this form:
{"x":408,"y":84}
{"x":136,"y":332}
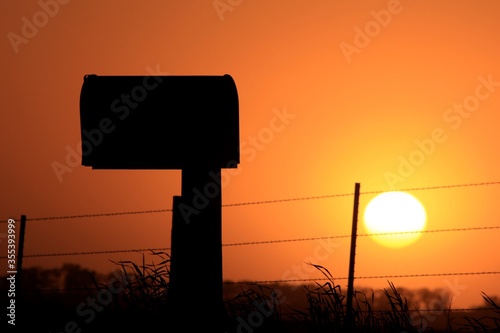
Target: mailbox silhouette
{"x":159,"y":122}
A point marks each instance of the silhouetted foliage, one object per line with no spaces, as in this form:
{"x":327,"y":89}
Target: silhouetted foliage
{"x":136,"y":297}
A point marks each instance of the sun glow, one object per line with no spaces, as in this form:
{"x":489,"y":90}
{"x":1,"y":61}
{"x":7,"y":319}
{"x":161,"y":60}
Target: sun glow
{"x":395,"y":212}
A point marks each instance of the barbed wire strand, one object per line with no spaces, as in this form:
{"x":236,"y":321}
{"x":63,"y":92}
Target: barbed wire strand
{"x":361,"y":235}
{"x":277,"y":241}
{"x":67,"y":217}
{"x":259,"y":202}
{"x":363,"y":277}
{"x":361,"y":193}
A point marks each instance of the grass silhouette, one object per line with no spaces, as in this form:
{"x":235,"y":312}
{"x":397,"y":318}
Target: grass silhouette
{"x":140,"y":302}
{"x":258,"y":308}
{"x":327,"y":311}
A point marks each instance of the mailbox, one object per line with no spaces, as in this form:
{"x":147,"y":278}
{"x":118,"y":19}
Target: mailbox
{"x":159,"y":122}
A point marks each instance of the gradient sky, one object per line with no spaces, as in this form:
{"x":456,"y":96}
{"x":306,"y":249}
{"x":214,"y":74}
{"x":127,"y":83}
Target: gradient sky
{"x":390,"y":94}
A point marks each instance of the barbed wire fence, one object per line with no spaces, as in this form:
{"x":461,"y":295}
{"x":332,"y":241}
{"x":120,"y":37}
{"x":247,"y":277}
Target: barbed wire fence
{"x":278,"y":241}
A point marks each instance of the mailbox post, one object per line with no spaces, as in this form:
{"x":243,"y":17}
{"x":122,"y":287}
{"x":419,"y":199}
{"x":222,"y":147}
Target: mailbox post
{"x":189,"y":123}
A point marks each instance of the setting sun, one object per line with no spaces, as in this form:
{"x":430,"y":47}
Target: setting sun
{"x":395,"y":212}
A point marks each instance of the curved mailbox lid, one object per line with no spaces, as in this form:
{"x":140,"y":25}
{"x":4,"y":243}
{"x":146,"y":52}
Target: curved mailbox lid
{"x":159,"y":122}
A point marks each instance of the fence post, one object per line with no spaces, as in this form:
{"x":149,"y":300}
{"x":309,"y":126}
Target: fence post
{"x":350,"y":284}
{"x":20,"y":250}
{"x":19,"y":275}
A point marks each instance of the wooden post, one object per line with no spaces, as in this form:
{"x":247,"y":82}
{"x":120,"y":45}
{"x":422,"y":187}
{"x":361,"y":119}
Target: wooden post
{"x":20,"y":254}
{"x":196,"y":257}
{"x":20,"y":249}
{"x":21,"y":300}
{"x":350,"y":285}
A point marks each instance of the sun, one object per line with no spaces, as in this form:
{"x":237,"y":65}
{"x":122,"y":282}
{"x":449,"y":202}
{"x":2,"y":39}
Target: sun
{"x":395,"y":212}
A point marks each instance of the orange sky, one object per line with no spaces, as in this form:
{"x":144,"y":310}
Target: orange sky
{"x":362,"y":86}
